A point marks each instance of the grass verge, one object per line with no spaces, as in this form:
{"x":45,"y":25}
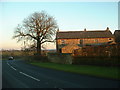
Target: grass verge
{"x":106,"y":72}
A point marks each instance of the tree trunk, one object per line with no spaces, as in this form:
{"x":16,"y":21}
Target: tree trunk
{"x":38,"y":47}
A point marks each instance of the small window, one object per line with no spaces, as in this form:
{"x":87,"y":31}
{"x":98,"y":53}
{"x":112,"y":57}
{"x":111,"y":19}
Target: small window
{"x":110,"y":38}
{"x":81,"y":41}
{"x":63,"y":41}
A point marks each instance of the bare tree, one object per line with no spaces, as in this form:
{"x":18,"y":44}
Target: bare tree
{"x":38,"y":28}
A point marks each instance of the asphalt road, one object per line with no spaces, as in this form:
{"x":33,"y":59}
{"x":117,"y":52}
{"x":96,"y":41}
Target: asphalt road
{"x":18,"y":74}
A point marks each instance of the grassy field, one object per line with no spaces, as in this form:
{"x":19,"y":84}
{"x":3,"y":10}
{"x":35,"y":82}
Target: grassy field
{"x":106,"y":72}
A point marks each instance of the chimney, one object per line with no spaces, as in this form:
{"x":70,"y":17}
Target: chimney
{"x":107,"y":29}
{"x":58,"y":30}
{"x":85,"y":30}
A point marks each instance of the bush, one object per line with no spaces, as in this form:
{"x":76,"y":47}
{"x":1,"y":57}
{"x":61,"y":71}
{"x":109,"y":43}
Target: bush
{"x":36,"y":58}
{"x":99,"y":61}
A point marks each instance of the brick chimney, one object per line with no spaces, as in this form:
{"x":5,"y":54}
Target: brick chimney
{"x":107,"y":29}
{"x":85,"y":30}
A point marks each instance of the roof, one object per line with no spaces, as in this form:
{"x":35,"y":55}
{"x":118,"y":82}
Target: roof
{"x":117,"y":35}
{"x":83,"y":34}
{"x":117,"y":32}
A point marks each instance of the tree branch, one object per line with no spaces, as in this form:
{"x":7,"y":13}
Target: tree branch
{"x":46,"y":41}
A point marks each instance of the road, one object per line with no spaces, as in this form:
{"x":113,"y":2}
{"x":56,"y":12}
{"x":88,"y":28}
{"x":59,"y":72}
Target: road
{"x":18,"y":74}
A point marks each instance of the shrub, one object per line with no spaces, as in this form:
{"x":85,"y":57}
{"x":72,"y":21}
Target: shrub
{"x":100,"y":61}
{"x":36,"y":58}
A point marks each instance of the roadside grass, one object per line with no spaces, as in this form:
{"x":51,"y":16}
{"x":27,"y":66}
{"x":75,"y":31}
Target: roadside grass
{"x":98,"y":71}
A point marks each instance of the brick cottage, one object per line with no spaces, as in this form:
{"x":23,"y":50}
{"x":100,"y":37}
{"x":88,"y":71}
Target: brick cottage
{"x":68,"y":41}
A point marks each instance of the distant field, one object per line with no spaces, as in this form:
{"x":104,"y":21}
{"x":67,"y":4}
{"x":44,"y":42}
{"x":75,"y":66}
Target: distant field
{"x":15,"y":53}
{"x":106,"y":72}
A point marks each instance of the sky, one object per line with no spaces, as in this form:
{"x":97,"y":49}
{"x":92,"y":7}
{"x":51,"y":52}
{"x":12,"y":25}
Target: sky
{"x":70,"y":16}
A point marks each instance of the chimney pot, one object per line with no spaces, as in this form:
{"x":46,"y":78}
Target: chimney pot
{"x":85,"y":29}
{"x":107,"y":29}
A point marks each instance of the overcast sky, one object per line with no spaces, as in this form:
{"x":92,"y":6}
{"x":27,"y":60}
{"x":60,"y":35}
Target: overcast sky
{"x":70,"y":16}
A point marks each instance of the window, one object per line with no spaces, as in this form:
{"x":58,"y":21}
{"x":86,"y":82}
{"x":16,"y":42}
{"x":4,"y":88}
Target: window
{"x":81,"y":41}
{"x":110,"y":38}
{"x":63,"y":41}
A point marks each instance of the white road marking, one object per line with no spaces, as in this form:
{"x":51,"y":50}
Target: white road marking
{"x":29,"y":76}
{"x":24,"y":73}
{"x":8,"y":64}
{"x":12,"y":67}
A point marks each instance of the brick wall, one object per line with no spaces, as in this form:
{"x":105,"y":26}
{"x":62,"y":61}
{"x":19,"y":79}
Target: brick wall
{"x":69,"y":48}
{"x":87,"y":40}
{"x":60,"y":58}
{"x":71,"y":44}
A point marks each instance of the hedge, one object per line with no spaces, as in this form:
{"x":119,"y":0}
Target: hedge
{"x":99,"y":61}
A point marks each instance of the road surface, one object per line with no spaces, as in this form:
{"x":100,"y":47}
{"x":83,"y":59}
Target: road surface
{"x":18,"y":74}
